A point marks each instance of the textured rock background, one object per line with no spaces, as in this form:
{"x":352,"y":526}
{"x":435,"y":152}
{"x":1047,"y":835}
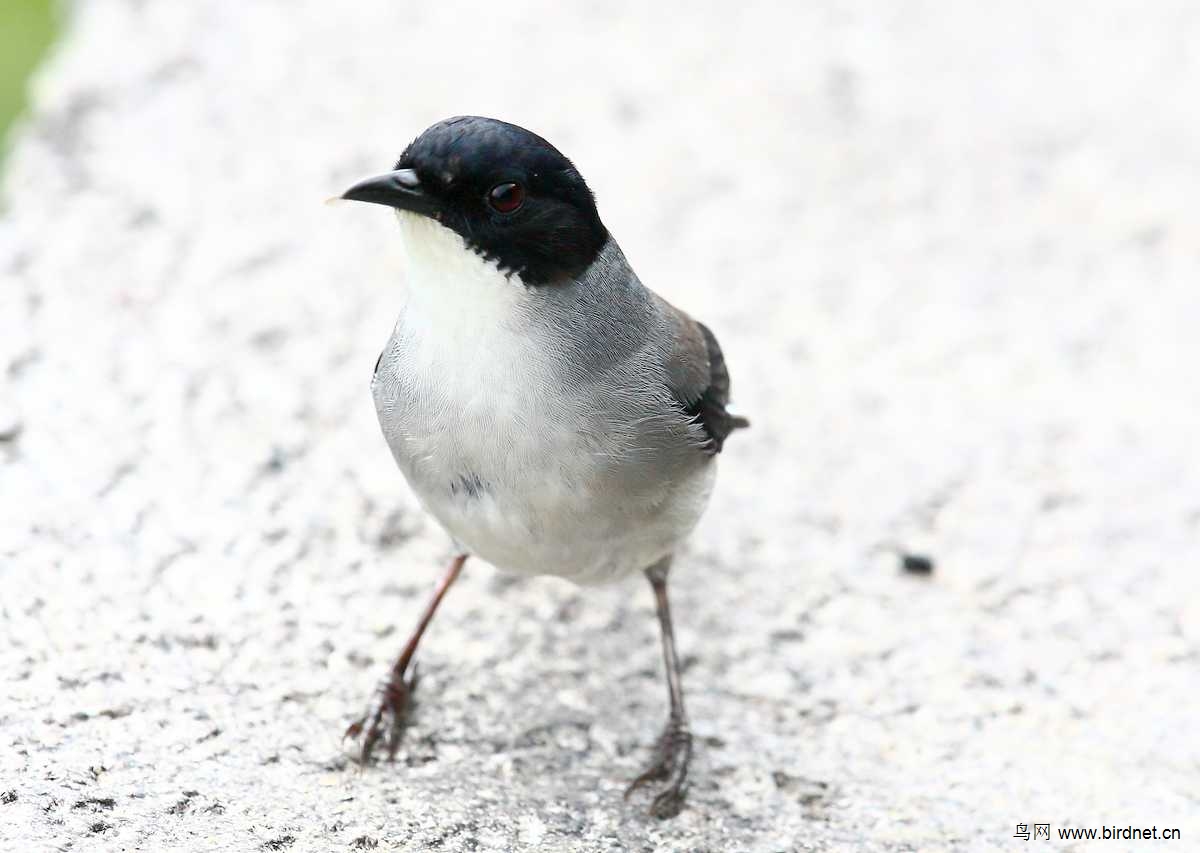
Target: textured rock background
{"x":952,"y":255}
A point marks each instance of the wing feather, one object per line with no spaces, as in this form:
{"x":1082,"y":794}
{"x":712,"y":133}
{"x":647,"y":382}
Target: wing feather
{"x":699,"y":379}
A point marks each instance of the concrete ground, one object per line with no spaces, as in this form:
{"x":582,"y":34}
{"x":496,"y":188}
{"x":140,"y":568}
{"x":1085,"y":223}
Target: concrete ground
{"x":951,"y":250}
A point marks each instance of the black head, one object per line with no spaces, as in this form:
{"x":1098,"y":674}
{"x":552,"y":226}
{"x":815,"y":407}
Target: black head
{"x":509,"y":193}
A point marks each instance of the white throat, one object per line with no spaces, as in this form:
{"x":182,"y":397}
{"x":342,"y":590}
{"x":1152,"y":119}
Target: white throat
{"x":464,"y":321}
{"x":450,"y":287}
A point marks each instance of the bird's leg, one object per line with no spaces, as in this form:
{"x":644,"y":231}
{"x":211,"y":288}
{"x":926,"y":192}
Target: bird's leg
{"x":389,"y":711}
{"x":673,"y":752}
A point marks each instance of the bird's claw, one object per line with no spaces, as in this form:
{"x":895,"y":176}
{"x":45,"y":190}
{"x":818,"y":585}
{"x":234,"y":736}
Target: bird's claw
{"x":672,"y":755}
{"x":387,"y":717}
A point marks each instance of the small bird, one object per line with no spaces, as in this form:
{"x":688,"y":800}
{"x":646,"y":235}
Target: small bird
{"x":550,"y":411}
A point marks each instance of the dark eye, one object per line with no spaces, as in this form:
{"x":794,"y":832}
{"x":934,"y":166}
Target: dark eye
{"x":506,"y":198}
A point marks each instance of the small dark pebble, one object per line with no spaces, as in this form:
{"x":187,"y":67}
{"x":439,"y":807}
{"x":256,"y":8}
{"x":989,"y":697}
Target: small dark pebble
{"x":916,"y":564}
{"x":8,"y":797}
{"x":364,"y":842}
{"x":280,"y":843}
{"x":10,"y":430}
{"x":100,"y":826}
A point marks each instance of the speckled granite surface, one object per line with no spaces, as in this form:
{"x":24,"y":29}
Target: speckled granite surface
{"x":953,"y":262}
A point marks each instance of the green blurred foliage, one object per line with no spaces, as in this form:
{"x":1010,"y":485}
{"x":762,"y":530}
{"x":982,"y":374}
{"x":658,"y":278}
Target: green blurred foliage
{"x":26,"y":30}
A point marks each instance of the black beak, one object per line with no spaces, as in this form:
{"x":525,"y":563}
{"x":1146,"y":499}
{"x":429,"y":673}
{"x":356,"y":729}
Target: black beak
{"x":400,"y":189}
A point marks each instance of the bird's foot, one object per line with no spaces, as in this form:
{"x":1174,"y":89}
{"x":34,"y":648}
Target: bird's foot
{"x":387,"y":716}
{"x":672,"y":755}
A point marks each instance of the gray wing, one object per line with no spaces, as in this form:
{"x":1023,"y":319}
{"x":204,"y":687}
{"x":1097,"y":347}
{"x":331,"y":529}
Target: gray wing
{"x":698,"y":378}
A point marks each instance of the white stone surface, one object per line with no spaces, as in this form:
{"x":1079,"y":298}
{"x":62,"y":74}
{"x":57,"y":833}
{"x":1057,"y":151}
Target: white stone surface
{"x":952,"y":253}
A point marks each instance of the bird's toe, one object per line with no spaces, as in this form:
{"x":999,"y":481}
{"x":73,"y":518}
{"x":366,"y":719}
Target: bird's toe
{"x":386,"y":719}
{"x":672,"y":757}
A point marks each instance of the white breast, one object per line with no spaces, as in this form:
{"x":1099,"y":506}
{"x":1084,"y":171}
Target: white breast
{"x":461,"y":314}
{"x":516,"y":466}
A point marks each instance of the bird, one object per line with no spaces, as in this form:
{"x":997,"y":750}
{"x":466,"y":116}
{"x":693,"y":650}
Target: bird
{"x":551,"y":412}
